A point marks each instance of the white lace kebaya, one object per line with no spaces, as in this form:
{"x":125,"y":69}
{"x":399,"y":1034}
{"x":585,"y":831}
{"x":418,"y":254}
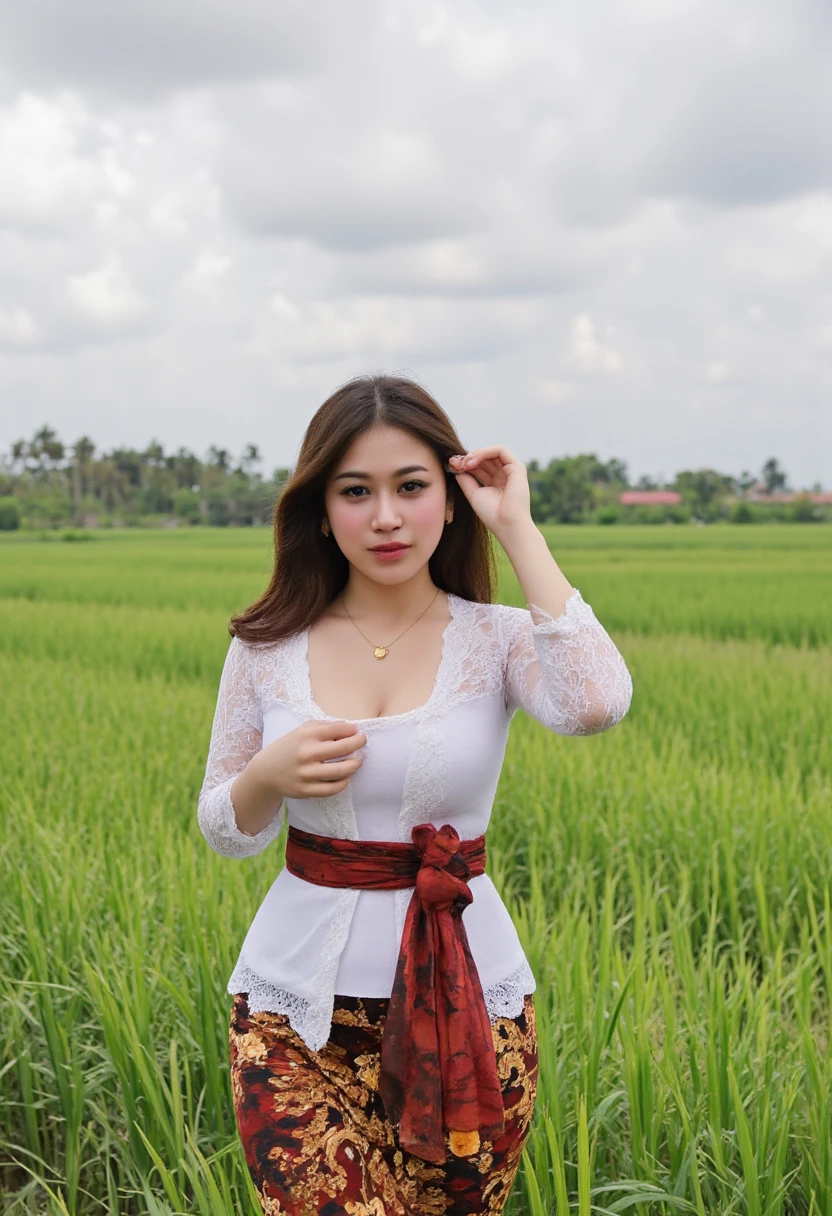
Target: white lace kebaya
{"x":438,"y":763}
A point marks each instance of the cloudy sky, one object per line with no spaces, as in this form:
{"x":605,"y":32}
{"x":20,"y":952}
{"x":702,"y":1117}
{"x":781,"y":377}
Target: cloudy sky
{"x":586,"y":227}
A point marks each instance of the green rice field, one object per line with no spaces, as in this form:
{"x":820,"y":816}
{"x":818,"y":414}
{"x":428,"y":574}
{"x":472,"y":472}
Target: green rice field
{"x":671,"y":880}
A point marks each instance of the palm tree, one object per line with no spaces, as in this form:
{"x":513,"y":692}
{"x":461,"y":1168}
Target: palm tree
{"x":187,"y":469}
{"x":250,"y":458}
{"x":47,"y":449}
{"x":773,"y":476}
{"x":112,"y":483}
{"x":20,"y":452}
{"x":83,"y":451}
{"x":219,"y":458}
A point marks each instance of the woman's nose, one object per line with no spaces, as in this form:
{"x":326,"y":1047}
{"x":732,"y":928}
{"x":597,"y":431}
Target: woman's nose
{"x":386,"y":510}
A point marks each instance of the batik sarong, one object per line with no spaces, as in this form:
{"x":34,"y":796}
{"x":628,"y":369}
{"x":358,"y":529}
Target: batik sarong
{"x":316,"y":1136}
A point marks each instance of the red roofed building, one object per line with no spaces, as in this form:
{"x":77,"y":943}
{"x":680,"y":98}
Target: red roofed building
{"x":640,"y":498}
{"x":757,"y":493}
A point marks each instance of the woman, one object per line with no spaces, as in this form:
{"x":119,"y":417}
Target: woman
{"x":382,"y":1039}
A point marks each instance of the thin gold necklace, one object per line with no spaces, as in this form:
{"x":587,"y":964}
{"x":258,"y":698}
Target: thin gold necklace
{"x":381,"y":651}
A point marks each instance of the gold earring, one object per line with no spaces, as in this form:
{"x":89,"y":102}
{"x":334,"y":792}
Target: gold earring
{"x":325,"y":527}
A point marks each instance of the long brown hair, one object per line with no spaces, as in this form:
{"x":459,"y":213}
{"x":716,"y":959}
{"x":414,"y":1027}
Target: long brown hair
{"x":309,"y":568}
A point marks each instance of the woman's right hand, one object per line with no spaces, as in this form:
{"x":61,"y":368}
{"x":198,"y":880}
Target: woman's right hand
{"x":306,"y":763}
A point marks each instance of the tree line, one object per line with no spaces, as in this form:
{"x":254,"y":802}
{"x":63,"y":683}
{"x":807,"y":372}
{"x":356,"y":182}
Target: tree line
{"x":45,"y":483}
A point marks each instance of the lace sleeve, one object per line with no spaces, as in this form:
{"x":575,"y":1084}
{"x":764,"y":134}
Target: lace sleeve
{"x":236,"y":734}
{"x":566,"y":672}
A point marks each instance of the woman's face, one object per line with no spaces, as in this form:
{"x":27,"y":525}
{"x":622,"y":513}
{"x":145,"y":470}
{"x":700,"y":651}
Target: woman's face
{"x":388,"y":488}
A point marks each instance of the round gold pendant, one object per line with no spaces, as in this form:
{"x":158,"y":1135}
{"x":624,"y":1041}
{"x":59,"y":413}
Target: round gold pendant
{"x":380,"y":652}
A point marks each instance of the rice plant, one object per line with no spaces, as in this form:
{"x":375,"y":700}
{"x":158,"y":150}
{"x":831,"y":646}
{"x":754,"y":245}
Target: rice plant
{"x":670,"y":881}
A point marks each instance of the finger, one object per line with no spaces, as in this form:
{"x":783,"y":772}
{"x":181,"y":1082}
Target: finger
{"x":339,"y":729}
{"x":492,"y":472}
{"x":322,"y":739}
{"x":467,"y":482}
{"x":325,"y":789}
{"x":488,"y":470}
{"x":480,"y":475}
{"x":337,"y":749}
{"x":498,"y":450}
{"x":333,"y":770}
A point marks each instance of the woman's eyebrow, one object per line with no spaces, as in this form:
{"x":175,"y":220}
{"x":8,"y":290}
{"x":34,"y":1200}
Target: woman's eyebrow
{"x":410,"y":468}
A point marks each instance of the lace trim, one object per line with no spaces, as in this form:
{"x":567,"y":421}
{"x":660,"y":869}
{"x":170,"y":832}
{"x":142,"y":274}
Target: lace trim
{"x":311,"y":1019}
{"x":504,"y":999}
{"x":470,"y":665}
{"x":264,"y":997}
{"x":303,"y":684}
{"x":575,"y":615}
{"x":218,"y":824}
{"x":564,"y":671}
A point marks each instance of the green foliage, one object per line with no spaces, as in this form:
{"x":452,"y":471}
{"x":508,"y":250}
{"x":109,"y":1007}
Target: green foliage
{"x":186,"y":505}
{"x":703,"y":489}
{"x":219,"y":511}
{"x":566,"y":490}
{"x":804,"y":511}
{"x":644,"y":513}
{"x":608,"y":515}
{"x":57,"y":486}
{"x":75,"y":536}
{"x":9,"y":514}
{"x":742,"y":513}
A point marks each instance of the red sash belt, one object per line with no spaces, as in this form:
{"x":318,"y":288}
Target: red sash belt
{"x":438,"y":1065}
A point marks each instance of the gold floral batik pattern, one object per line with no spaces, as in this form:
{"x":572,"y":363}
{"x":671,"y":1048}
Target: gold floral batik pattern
{"x":314,"y":1131}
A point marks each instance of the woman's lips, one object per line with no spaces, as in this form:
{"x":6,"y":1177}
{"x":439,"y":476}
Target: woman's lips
{"x":390,"y":554}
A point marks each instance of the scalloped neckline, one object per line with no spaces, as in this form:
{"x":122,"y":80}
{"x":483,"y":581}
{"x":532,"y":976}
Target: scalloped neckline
{"x":454,"y":602}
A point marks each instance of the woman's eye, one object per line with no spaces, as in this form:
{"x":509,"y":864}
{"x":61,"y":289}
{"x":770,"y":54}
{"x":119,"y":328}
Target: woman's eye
{"x":348,"y":491}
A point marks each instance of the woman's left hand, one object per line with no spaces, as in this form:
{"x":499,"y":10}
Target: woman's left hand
{"x":496,"y":484}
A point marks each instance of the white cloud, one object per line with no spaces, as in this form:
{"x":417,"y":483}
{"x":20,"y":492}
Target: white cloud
{"x":358,"y":182}
{"x":18,"y":327}
{"x":208,"y":267}
{"x":54,"y":162}
{"x":591,"y":354}
{"x":391,"y":328}
{"x":106,"y":293}
{"x":285,"y":308}
{"x":614,"y":217}
{"x":554,"y":392}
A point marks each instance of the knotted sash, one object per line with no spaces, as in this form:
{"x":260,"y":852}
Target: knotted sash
{"x":438,"y":1064}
